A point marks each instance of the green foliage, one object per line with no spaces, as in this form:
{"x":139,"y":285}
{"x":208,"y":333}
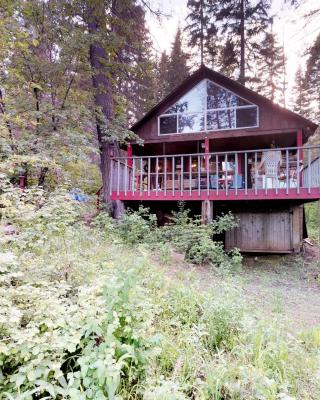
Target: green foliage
{"x":195,"y":240}
{"x":84,"y":315}
{"x":312,"y":211}
{"x":135,"y":227}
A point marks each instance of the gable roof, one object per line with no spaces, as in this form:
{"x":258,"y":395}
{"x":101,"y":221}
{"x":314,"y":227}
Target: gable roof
{"x":206,"y":73}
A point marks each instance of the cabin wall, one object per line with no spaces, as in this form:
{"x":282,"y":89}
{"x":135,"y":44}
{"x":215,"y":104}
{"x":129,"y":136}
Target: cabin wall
{"x":268,"y":231}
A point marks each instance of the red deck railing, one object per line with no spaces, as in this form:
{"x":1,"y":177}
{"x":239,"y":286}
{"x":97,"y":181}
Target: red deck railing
{"x":292,"y":172}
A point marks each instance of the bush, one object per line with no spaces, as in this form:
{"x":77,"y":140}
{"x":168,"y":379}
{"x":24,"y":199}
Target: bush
{"x":136,"y":227}
{"x":195,"y":240}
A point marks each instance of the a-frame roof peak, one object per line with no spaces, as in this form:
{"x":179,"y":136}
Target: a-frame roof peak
{"x":203,"y":72}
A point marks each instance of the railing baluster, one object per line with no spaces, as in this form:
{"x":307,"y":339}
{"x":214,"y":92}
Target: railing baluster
{"x":226,"y":173}
{"x":217,"y":175}
{"x":141,"y":175}
{"x":157,"y":175}
{"x":297,"y":177}
{"x":125,"y":176}
{"x":309,"y":171}
{"x":111,"y":177}
{"x":173,"y":174}
{"x":256,"y":174}
{"x":199,"y":171}
{"x":190,"y":175}
{"x":207,"y":168}
{"x":133,"y":185}
{"x":235,"y":180}
{"x":118,"y":182}
{"x":149,"y":167}
{"x":287,"y":172}
{"x":182,"y":177}
{"x":165,"y":176}
{"x":246,"y":173}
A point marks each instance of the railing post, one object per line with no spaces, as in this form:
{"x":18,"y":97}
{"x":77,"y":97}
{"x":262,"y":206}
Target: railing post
{"x":149,"y":167}
{"x":141,"y":175}
{"x":287,"y":172}
{"x":133,"y":187}
{"x":246,"y":173}
{"x":217,"y":175}
{"x":235,"y":180}
{"x":226,"y":173}
{"x":256,"y":174}
{"x":207,"y":170}
{"x":298,"y":171}
{"x":199,"y":172}
{"x":173,"y":174}
{"x":190,"y":175}
{"x":309,"y":170}
{"x":181,"y":177}
{"x":129,"y":153}
{"x":125,"y":176}
{"x":111,"y":176}
{"x":157,"y":175}
{"x":165,"y":176}
{"x":118,"y":176}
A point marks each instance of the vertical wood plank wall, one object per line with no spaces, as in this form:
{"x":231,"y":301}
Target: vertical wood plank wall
{"x":274,"y":231}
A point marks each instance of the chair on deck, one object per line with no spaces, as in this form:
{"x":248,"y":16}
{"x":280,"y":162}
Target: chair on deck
{"x":237,"y":182}
{"x":214,"y":181}
{"x":271,"y":160}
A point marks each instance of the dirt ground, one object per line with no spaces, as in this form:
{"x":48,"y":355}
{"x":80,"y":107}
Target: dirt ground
{"x":274,"y":284}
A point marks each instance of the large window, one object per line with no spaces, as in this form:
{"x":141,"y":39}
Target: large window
{"x":208,"y":107}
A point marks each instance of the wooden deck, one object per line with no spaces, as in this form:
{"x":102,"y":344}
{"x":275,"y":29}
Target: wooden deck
{"x":218,"y":176}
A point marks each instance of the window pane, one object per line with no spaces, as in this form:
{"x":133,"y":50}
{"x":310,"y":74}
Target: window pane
{"x":221,"y":120}
{"x":168,"y":124}
{"x":191,"y":123}
{"x":219,"y":97}
{"x":247,"y":117}
{"x":193,"y":101}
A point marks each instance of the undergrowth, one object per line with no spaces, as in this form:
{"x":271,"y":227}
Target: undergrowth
{"x":86,"y":314}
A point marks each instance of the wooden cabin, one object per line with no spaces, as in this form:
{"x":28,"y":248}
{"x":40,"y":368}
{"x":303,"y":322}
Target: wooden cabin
{"x":221,"y":147}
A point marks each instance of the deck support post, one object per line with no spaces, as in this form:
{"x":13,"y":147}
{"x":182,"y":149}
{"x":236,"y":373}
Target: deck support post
{"x":118,"y":209}
{"x":206,"y":211}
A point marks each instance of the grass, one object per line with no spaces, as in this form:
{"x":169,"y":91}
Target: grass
{"x":85,"y":315}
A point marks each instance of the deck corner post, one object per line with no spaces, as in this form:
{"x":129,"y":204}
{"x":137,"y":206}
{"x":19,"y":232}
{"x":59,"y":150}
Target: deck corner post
{"x":118,"y":209}
{"x":206,"y":211}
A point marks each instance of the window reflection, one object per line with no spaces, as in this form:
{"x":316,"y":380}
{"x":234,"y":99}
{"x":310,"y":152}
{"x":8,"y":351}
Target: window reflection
{"x":247,"y":117}
{"x":190,"y":123}
{"x":220,"y":108}
{"x":168,"y":124}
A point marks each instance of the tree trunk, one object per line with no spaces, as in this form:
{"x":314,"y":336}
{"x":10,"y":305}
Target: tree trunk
{"x":103,"y":101}
{"x":242,"y":78}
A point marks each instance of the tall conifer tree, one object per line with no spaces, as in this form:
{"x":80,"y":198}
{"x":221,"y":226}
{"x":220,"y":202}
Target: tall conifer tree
{"x":270,"y":68}
{"x":178,"y":68}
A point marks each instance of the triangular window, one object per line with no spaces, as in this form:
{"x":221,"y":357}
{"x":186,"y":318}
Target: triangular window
{"x":208,"y":107}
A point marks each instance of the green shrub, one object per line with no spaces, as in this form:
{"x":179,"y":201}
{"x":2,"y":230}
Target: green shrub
{"x":136,"y":227}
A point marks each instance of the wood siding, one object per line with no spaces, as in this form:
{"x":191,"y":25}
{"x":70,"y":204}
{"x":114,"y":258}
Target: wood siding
{"x":276,"y":231}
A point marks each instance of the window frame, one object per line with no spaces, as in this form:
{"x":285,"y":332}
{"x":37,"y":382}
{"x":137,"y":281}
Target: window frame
{"x":205,"y":114}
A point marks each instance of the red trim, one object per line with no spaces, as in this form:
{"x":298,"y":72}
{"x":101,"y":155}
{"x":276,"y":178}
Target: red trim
{"x":222,"y":195}
{"x":129,"y":152}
